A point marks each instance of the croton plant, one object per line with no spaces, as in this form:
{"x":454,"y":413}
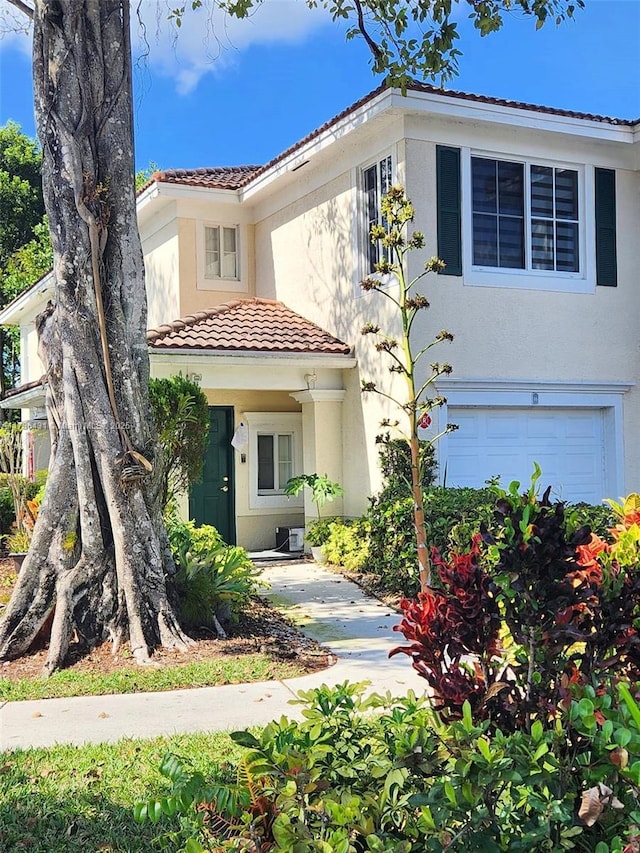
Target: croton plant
{"x":530,"y":614}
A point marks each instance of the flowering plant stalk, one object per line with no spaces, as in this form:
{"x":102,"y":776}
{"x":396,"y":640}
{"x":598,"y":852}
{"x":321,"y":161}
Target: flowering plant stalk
{"x":414,"y":401}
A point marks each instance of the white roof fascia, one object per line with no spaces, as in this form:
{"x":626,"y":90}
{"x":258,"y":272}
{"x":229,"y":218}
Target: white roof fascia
{"x":147,"y":196}
{"x":461,"y":108}
{"x":318,"y":143}
{"x":222,"y":357}
{"x":168,"y":189}
{"x":25,"y":399}
{"x":431,"y":103}
{"x":28,"y":302}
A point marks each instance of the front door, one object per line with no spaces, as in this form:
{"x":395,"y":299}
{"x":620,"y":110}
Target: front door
{"x":212,"y":500}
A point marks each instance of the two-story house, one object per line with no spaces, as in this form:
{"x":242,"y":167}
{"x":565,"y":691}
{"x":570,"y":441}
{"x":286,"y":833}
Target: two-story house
{"x":253,"y":287}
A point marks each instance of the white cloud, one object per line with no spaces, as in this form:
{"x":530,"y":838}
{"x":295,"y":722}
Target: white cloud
{"x":209,"y":41}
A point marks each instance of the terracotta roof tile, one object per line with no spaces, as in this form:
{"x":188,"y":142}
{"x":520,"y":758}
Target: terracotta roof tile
{"x":230,"y":177}
{"x":26,"y":386}
{"x":247,"y":325}
{"x":219,"y":177}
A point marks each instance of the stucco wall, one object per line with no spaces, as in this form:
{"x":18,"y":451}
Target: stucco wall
{"x":196,"y":292}
{"x":513,"y":333}
{"x":310,"y":258}
{"x":161,"y":261}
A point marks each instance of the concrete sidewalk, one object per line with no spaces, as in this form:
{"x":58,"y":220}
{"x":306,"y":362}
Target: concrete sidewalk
{"x":329,"y":608}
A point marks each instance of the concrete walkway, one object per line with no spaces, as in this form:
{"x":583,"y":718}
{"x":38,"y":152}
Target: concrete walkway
{"x":355,"y":627}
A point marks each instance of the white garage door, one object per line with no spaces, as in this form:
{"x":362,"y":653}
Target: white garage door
{"x":568,"y":445}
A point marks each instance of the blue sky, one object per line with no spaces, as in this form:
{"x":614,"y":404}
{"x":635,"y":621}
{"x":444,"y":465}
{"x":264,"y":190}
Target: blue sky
{"x":289,"y":70}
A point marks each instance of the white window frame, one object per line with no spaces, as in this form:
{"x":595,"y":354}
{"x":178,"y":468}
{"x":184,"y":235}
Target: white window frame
{"x":365,"y":222}
{"x":273,"y":423}
{"x":221,"y":282}
{"x":583,"y":281}
{"x":278,"y":481}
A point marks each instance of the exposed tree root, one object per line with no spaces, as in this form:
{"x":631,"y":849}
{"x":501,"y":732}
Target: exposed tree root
{"x":99,"y":561}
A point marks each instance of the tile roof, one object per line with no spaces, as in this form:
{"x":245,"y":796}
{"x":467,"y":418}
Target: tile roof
{"x":26,"y":386}
{"x":219,"y":177}
{"x":230,"y":177}
{"x":247,"y":325}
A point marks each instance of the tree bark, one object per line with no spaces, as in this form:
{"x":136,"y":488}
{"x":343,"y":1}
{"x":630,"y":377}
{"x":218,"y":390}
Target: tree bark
{"x":98,"y":562}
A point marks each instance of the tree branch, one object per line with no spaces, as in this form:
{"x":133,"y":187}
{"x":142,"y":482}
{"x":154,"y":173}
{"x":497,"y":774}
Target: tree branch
{"x":23,"y":7}
{"x":371,"y":44}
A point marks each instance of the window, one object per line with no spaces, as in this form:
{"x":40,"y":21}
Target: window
{"x":274,"y":456}
{"x":525,"y":225}
{"x":524,"y":216}
{"x":275,"y":462}
{"x":220,"y":252}
{"x":376,"y":182}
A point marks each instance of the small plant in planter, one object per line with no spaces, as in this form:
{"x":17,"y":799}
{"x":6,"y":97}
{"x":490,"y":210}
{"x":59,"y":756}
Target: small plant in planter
{"x":318,"y":531}
{"x":322,"y":490}
{"x":18,"y":542}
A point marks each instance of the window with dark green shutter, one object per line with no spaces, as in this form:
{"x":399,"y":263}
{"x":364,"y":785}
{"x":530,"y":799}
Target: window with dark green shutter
{"x":606,"y":260}
{"x":449,"y":219}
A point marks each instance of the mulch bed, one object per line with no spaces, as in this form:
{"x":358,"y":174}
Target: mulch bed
{"x":260,"y":628}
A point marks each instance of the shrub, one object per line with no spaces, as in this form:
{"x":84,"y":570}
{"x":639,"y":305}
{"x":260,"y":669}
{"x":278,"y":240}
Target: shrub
{"x":392,"y":546}
{"x":29,"y":489}
{"x":347,"y":543}
{"x":450,"y":517}
{"x":181,"y":413}
{"x":394,"y":455}
{"x":385,"y":774}
{"x":317,"y":531}
{"x":599,"y":518}
{"x":520,"y":623}
{"x":7,"y":511}
{"x":213,"y":580}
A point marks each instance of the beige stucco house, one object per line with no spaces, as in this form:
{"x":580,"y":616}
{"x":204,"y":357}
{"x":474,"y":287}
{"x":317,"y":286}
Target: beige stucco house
{"x":253,"y":287}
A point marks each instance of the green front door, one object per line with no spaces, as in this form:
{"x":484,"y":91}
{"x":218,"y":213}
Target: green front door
{"x":212,"y":500}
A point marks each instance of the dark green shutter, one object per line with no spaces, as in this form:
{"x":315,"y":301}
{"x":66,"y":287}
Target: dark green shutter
{"x":448,"y":197}
{"x":606,"y":261}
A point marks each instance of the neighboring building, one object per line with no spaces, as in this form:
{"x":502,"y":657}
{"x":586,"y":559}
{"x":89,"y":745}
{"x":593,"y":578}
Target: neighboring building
{"x":536,"y":212}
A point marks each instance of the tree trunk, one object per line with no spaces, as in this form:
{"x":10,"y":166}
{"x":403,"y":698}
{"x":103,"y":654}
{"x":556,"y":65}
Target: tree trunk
{"x":98,"y":562}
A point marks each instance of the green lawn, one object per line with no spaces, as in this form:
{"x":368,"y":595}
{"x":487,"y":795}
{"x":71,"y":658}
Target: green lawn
{"x":80,"y":799}
{"x":234,"y":669}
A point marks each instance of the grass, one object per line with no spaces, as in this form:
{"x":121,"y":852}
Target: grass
{"x":236,"y":670}
{"x":80,"y":799}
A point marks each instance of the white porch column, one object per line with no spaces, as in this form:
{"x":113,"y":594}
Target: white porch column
{"x":322,"y":441}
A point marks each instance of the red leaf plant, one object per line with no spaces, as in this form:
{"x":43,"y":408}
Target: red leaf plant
{"x":453,"y":632}
{"x":520,"y":634}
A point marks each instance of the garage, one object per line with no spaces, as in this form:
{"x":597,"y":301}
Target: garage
{"x":568,"y":444}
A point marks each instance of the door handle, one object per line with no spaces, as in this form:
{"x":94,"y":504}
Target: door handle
{"x":224,"y":489}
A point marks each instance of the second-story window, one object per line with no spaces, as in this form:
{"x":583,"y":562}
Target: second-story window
{"x":220,"y":252}
{"x":376,"y":182}
{"x":525,"y":216}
